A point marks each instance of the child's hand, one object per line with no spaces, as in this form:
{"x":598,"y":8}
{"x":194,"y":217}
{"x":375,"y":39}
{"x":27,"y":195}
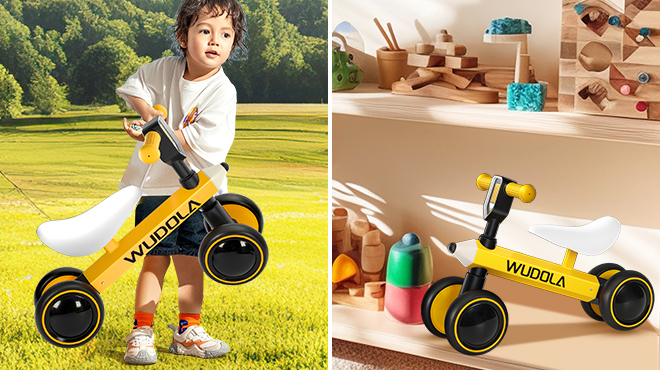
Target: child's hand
{"x":135,"y":134}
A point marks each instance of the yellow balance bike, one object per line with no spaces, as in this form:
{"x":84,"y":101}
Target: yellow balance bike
{"x":69,"y":311}
{"x":475,"y":320}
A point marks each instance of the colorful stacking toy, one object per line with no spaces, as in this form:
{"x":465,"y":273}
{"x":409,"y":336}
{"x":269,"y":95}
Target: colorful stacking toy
{"x":409,"y":275}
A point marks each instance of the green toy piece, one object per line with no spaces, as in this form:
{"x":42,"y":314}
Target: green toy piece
{"x":345,"y":74}
{"x":409,"y":263}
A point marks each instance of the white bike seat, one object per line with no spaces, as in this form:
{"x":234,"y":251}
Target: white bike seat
{"x":90,"y":231}
{"x":591,"y":239}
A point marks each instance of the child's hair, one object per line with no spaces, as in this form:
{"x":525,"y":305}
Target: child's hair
{"x":189,"y":12}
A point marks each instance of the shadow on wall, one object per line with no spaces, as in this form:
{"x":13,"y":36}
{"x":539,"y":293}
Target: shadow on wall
{"x":361,"y":203}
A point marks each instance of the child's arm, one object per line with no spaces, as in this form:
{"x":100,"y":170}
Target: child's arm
{"x":146,"y":111}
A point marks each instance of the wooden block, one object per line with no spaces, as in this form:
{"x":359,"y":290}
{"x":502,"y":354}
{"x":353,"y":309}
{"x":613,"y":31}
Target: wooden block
{"x":566,"y":85}
{"x":565,"y":102}
{"x":456,"y":50}
{"x":370,"y":277}
{"x":420,"y":60}
{"x":568,"y":50}
{"x":365,"y":303}
{"x":375,"y":289}
{"x":372,"y":237}
{"x":373,"y":258}
{"x":354,"y":289}
{"x":457,"y":80}
{"x":654,"y":110}
{"x":568,"y":33}
{"x":444,"y":90}
{"x":461,"y":62}
{"x":339,"y":218}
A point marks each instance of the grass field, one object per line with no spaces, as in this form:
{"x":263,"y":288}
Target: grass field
{"x":57,"y":167}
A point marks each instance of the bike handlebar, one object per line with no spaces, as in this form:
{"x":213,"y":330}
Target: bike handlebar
{"x":525,"y":193}
{"x":149,"y":153}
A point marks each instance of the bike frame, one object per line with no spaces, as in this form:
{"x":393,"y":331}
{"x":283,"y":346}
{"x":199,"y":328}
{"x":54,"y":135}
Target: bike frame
{"x":528,"y":270}
{"x":122,"y":255}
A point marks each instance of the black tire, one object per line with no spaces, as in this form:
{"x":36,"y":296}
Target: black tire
{"x":54,"y":277}
{"x":604,"y":271}
{"x":241,"y":209}
{"x":437,"y":300}
{"x":69,"y":314}
{"x":476,"y":322}
{"x":626,"y":300}
{"x":233,"y":254}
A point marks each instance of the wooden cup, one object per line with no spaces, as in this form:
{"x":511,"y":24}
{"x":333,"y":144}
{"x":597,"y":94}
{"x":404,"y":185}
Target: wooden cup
{"x":392,"y":65}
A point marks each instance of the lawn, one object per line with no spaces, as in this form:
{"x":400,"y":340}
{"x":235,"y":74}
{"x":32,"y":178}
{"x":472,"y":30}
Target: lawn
{"x":59,"y":166}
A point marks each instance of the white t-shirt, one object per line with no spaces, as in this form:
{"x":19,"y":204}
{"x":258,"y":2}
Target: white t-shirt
{"x":210,"y":135}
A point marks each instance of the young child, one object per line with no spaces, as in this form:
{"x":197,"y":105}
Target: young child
{"x":201,"y":105}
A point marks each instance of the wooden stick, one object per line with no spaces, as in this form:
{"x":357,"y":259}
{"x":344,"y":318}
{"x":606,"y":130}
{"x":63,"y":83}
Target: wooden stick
{"x":396,"y":44}
{"x":382,"y":31}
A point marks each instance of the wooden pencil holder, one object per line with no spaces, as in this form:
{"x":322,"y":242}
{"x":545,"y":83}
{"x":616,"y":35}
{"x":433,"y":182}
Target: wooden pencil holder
{"x":392,"y":65}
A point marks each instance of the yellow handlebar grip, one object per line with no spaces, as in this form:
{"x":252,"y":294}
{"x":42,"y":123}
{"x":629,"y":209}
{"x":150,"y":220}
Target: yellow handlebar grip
{"x":483,"y":181}
{"x":149,"y":152}
{"x":526,"y":193}
{"x":159,"y":107}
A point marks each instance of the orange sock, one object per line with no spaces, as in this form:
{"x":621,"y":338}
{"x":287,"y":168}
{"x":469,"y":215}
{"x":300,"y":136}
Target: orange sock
{"x":186,"y":320}
{"x":143,"y":319}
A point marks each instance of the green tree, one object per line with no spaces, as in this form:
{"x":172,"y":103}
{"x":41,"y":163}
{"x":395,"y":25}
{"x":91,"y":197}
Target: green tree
{"x":310,"y":16}
{"x":49,"y":44}
{"x":102,"y":68}
{"x":48,"y":95}
{"x":14,"y":7}
{"x":10,"y":95}
{"x":279,"y":67}
{"x":18,"y":55}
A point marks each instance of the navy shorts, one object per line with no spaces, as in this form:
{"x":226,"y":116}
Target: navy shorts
{"x":183,"y":240}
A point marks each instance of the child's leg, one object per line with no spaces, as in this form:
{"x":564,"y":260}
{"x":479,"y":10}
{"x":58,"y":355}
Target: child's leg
{"x":191,"y":283}
{"x":150,"y":283}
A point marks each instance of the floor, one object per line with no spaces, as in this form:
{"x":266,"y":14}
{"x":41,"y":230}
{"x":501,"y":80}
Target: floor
{"x":353,"y":356}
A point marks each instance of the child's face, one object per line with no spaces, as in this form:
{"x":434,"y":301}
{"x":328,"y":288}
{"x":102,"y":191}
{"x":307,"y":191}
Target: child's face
{"x":209,"y":42}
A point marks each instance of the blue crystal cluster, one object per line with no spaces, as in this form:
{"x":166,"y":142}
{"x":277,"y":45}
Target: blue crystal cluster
{"x":509,"y":26}
{"x":526,"y":97}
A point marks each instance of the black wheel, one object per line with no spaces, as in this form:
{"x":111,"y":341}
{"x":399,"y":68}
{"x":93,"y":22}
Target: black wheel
{"x":69,"y":314}
{"x":233,"y":254}
{"x":242,"y":210}
{"x":54,"y":277}
{"x":436,"y":301}
{"x":626,"y":300}
{"x":604,"y":271}
{"x":476,"y":322}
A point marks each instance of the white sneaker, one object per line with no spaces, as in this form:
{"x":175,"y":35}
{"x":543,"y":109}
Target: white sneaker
{"x":140,"y":348}
{"x":195,"y":342}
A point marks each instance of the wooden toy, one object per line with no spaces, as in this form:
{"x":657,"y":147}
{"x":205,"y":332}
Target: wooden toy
{"x":409,"y":275}
{"x":475,"y":320}
{"x":69,"y":311}
{"x":373,"y":256}
{"x":609,"y":59}
{"x":369,"y":297}
{"x":339,"y":222}
{"x":432,"y":82}
{"x":447,"y":73}
{"x":522,"y":94}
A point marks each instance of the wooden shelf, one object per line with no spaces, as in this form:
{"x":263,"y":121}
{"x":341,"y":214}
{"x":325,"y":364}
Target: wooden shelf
{"x":370,"y":101}
{"x":534,"y":336}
